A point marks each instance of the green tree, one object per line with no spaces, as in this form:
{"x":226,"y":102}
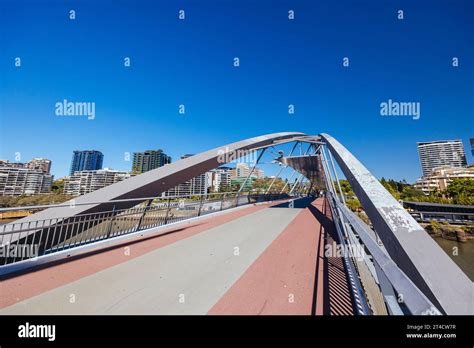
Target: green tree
{"x":346,"y":189}
{"x":353,"y":204}
{"x":409,"y":193}
{"x":58,"y":186}
{"x":390,"y":186}
{"x":461,"y":191}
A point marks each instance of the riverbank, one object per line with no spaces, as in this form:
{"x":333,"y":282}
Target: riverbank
{"x":458,"y":233}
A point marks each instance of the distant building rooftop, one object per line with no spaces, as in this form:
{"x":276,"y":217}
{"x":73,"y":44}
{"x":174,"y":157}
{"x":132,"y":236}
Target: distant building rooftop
{"x":427,"y":206}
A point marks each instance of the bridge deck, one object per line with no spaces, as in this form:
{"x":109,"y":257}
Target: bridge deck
{"x":266,"y":259}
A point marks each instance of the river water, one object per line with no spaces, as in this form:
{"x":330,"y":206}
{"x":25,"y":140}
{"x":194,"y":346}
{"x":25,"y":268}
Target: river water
{"x":465,"y":257}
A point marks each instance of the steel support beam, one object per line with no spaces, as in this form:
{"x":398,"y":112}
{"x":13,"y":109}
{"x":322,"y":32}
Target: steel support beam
{"x":408,"y":244}
{"x":251,"y":171}
{"x":294,"y":171}
{"x":343,"y":200}
{"x":300,"y":177}
{"x":414,"y":299}
{"x":151,"y":183}
{"x":281,"y":170}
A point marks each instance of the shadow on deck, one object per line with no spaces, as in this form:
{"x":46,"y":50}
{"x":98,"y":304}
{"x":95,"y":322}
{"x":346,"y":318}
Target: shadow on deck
{"x":331,"y":289}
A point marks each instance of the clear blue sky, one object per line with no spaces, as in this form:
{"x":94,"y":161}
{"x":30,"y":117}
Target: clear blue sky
{"x":191,"y":62}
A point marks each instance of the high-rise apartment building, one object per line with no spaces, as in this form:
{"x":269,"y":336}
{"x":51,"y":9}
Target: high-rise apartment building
{"x":471,"y":141}
{"x":86,"y":160}
{"x":441,"y":153}
{"x":42,"y":164}
{"x":259,"y":173}
{"x":86,"y":181}
{"x":16,"y":181}
{"x":196,"y":186}
{"x":242,"y":170}
{"x":148,"y":160}
{"x":219,"y":179}
{"x":6,"y":163}
{"x":29,"y":178}
{"x":440,"y":178}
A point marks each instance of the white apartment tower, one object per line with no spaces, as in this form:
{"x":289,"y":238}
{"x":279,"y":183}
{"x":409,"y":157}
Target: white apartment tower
{"x":441,"y":153}
{"x":86,"y":181}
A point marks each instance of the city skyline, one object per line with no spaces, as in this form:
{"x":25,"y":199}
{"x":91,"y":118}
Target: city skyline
{"x":272,"y":170}
{"x":282,"y":63}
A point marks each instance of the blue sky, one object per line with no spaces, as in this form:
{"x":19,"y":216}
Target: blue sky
{"x":190,"y":62}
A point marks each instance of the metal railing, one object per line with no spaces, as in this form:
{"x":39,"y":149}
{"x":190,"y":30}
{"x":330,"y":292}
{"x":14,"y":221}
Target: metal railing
{"x":403,"y":295}
{"x":377,"y":283}
{"x":26,"y":240}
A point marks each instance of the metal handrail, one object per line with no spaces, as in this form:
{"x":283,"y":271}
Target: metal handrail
{"x":117,"y":212}
{"x":62,"y":205}
{"x":413,"y":298}
{"x":356,"y":288}
{"x":57,"y":234}
{"x":224,"y":194}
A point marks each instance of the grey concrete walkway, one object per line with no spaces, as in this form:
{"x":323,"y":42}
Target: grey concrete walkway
{"x":186,"y":277}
